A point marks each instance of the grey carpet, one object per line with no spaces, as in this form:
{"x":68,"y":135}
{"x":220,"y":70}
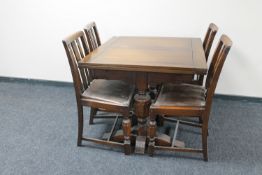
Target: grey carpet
{"x":38,"y":129}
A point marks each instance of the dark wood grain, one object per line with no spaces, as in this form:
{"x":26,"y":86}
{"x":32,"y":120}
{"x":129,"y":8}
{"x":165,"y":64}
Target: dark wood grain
{"x":149,"y":54}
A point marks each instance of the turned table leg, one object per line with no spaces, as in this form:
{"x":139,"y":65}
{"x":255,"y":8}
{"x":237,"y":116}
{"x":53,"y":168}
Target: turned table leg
{"x":126,"y":125}
{"x":152,"y":135}
{"x":142,"y":104}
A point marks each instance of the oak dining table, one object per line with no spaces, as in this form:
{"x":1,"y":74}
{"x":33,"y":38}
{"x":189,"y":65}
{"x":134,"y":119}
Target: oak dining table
{"x":146,"y":61}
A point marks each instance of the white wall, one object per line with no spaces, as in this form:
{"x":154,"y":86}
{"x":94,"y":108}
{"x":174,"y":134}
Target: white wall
{"x":31,"y":32}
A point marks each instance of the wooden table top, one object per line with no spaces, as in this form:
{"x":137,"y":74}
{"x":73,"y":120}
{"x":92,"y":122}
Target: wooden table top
{"x":149,"y":54}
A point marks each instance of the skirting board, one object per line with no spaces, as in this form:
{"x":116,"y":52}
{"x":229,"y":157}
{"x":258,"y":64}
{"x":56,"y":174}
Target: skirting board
{"x":70,"y":84}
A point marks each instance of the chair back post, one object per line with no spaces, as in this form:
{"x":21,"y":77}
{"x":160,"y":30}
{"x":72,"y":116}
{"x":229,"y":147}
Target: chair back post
{"x":209,"y":38}
{"x":216,"y":66}
{"x":76,"y":48}
{"x":97,"y":35}
{"x":92,"y":36}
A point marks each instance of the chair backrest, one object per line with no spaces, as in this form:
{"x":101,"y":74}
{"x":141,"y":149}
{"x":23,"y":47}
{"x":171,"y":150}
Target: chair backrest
{"x":76,"y":49}
{"x":215,"y":68}
{"x":209,"y":38}
{"x":92,"y":36}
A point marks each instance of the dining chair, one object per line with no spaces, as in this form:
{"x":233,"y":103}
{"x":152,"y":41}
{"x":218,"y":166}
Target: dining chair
{"x":187,"y":100}
{"x":207,"y":44}
{"x":109,"y":95}
{"x":196,"y":79}
{"x":92,"y":36}
{"x":94,"y":42}
{"x":209,"y":38}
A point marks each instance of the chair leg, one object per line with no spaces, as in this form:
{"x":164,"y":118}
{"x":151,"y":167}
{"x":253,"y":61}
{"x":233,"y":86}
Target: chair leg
{"x":204,"y":141}
{"x":126,"y":125}
{"x":200,"y":120}
{"x":80,"y":125}
{"x":152,"y":135}
{"x":92,"y":115}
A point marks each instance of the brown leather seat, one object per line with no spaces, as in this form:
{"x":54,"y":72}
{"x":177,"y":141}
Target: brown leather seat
{"x":184,"y":95}
{"x":110,"y":91}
